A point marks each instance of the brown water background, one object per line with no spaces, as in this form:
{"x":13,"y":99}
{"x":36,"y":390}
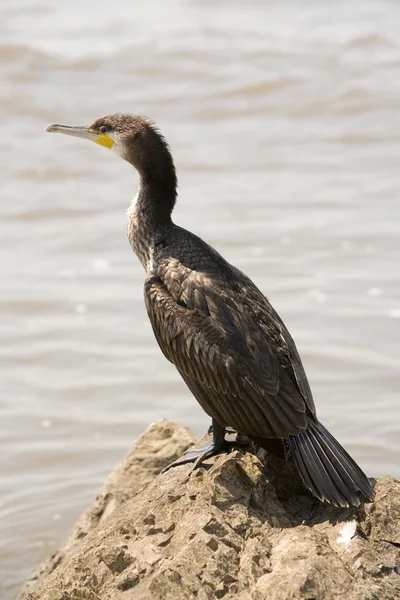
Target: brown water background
{"x":284,"y":121}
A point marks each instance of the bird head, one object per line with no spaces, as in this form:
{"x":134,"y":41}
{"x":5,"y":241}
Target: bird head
{"x":134,"y":138}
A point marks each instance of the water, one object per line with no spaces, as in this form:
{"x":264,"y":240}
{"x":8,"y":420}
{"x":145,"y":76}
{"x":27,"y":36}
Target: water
{"x":284,"y":122}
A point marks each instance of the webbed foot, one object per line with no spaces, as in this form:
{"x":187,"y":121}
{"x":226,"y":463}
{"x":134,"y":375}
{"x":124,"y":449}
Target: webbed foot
{"x":217,"y":445}
{"x":197,"y":455}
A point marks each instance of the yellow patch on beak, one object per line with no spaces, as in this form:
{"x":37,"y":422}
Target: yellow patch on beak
{"x":105,"y":140}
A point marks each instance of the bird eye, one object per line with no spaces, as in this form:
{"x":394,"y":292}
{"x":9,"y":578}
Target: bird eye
{"x":103,"y":129}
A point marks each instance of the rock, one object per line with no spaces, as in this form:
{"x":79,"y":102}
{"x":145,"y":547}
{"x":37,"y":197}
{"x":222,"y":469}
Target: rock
{"x":240,"y":527}
{"x":160,"y":444}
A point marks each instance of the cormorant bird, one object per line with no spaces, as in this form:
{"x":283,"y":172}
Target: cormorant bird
{"x":222,"y":334}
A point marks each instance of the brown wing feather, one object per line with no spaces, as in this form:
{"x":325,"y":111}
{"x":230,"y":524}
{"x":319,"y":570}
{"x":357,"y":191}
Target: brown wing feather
{"x":221,"y":348}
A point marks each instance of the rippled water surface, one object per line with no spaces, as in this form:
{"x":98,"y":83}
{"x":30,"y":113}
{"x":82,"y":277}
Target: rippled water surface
{"x":284,"y":121}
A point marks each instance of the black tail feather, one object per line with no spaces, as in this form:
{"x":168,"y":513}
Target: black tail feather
{"x":327,"y":469}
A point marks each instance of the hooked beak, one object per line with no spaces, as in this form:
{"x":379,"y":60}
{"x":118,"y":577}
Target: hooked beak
{"x":85,"y":133}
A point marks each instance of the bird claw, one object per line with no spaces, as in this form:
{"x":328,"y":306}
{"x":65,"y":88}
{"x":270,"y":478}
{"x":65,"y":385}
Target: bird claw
{"x":201,"y":453}
{"x":196,"y":455}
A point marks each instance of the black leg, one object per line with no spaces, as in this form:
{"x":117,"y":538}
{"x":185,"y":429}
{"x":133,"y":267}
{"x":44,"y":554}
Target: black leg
{"x":227,"y":429}
{"x":234,"y":438}
{"x":197,"y":455}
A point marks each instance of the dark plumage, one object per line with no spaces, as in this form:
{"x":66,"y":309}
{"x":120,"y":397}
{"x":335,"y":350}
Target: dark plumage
{"x":211,"y":321}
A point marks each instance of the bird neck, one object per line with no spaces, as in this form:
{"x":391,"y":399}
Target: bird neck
{"x":149,"y":216}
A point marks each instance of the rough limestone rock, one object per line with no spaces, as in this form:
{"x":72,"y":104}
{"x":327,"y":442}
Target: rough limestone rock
{"x":242,"y":526}
{"x":158,"y":446}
